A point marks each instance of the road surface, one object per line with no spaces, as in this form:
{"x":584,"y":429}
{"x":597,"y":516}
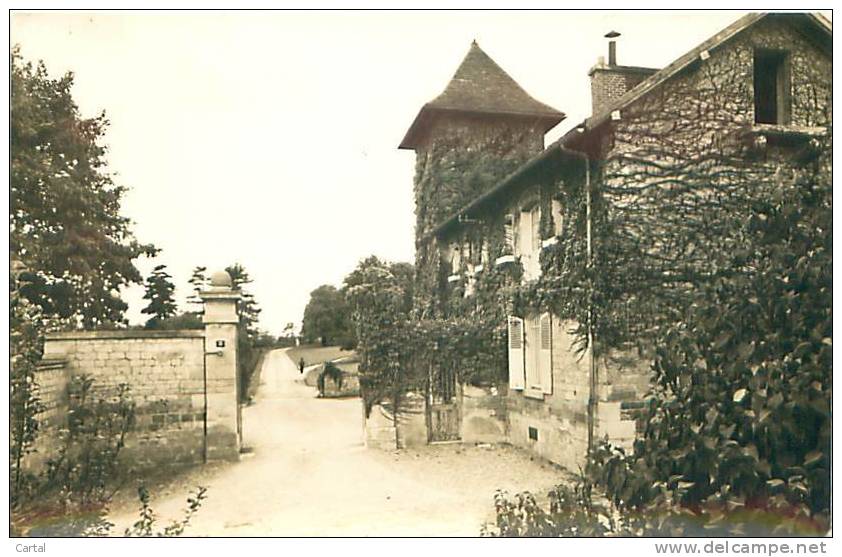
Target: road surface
{"x":307,"y":473}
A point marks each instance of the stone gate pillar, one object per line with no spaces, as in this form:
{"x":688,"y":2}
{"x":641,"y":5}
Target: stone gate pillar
{"x":222,"y":439}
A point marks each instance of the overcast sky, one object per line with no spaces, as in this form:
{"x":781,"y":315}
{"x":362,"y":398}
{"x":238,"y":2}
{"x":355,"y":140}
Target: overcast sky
{"x":270,"y":138}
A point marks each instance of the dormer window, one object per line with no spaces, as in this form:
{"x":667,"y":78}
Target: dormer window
{"x":771,"y":87}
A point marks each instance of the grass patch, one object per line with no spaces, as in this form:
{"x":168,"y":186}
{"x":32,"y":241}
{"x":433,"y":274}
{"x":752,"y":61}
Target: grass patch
{"x":315,"y":354}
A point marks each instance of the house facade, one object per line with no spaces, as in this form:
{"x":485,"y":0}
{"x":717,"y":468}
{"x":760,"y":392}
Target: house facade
{"x":523,"y":235}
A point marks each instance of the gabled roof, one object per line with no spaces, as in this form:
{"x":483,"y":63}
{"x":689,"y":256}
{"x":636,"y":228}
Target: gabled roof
{"x":819,"y":23}
{"x":480,"y":86}
{"x":815,"y":26}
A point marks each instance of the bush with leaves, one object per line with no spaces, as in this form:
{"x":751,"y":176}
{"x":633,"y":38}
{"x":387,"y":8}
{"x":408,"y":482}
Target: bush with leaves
{"x":79,"y":481}
{"x":740,"y":409}
{"x":26,"y":345}
{"x":145,"y":525}
{"x":571,"y":512}
{"x":87,"y":463}
{"x":332,"y":372}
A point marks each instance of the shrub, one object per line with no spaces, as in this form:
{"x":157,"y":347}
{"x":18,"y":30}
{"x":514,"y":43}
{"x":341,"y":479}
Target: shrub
{"x":96,"y":433}
{"x":572,"y":512}
{"x":332,"y":372}
{"x":739,"y":417}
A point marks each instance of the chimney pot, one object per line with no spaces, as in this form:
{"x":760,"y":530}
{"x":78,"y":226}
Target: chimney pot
{"x":612,"y":47}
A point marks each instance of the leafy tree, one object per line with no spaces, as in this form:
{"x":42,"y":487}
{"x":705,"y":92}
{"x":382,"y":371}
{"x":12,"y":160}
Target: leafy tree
{"x":327,"y":317}
{"x":159,"y":292}
{"x":377,"y":293}
{"x":64,"y":220}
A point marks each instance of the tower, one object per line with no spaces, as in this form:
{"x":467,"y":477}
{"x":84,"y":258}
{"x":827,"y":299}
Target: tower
{"x":480,"y":129}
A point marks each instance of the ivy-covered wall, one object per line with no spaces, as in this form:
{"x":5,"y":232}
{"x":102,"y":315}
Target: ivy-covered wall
{"x":462,"y":157}
{"x":671,"y":182}
{"x":682,"y":168}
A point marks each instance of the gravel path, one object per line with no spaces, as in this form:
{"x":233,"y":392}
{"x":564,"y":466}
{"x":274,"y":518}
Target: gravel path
{"x":308,"y":474}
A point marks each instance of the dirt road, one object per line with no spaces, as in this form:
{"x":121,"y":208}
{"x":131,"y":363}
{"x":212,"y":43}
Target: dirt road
{"x":308,"y":474}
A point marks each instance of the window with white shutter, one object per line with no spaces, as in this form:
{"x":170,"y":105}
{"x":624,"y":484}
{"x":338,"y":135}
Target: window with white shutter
{"x":545,"y":357}
{"x":528,"y":245}
{"x":509,"y":233}
{"x":516,"y":353}
{"x":533,"y":357}
{"x":558,"y":217}
{"x":535,"y":229}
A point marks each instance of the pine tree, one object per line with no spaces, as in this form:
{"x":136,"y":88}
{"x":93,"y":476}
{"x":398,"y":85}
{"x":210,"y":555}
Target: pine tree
{"x":247,"y":307}
{"x":159,"y":292}
{"x":198,"y":281}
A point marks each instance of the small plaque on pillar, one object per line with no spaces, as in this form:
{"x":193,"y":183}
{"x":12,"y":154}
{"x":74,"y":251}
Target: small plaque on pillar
{"x":220,"y":344}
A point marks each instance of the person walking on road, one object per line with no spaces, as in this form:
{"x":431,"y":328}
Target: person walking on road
{"x":301,"y":365}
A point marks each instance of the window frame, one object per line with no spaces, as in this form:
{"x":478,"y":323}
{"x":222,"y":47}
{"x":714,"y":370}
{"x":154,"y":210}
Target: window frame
{"x":780,"y":85}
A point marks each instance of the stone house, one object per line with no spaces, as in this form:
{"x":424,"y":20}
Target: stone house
{"x":496,"y":209}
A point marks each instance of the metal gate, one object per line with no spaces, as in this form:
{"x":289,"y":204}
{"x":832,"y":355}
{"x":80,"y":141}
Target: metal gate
{"x":443,"y":404}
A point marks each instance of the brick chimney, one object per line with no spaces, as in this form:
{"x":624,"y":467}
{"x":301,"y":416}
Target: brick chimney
{"x":611,"y":81}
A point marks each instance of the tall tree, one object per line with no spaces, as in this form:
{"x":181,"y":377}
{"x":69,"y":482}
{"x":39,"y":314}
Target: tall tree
{"x":64,"y":220}
{"x":160,"y":293}
{"x":327,"y":317}
{"x":247,"y":307}
{"x":198,"y":282}
{"x":379,"y":295}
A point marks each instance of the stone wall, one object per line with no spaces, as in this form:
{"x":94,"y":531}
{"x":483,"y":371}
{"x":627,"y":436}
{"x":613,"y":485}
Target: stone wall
{"x":560,"y":420}
{"x":165,"y":373}
{"x":379,"y":426}
{"x":483,"y":415}
{"x":185,"y":396}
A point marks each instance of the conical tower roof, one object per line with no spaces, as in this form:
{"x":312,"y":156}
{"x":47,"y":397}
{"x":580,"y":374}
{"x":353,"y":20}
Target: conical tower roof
{"x":480,"y":86}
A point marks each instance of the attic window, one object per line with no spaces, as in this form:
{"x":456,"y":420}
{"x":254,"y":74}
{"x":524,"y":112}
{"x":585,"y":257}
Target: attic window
{"x":771,"y":87}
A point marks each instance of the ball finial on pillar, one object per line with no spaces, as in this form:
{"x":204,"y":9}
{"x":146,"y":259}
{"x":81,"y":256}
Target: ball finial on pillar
{"x":221,"y":279}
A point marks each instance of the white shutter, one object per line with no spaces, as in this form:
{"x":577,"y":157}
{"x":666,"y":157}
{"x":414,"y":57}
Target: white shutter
{"x":535,"y":229}
{"x":558,"y":217}
{"x":509,"y":233}
{"x":546,"y":354}
{"x":516,"y":379}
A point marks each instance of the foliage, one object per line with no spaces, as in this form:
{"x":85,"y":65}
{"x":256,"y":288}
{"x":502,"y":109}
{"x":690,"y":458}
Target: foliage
{"x":332,"y":372}
{"x":248,"y":332}
{"x":69,"y":498}
{"x":456,"y":168}
{"x":145,"y":525}
{"x":740,"y":413}
{"x":187,"y":320}
{"x":380,"y":309}
{"x":327,"y":318}
{"x":64,"y":219}
{"x":572,"y":512}
{"x":578,"y":509}
{"x":247,"y":308}
{"x":96,"y":432}
{"x":26,"y":328}
{"x":94,"y":522}
{"x":199,"y":281}
{"x":160,"y":293}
